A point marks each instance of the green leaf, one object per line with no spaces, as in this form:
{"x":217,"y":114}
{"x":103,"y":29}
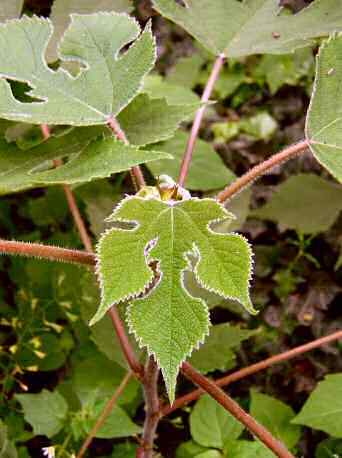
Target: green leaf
{"x":238,"y":29}
{"x":248,"y":449}
{"x":100,"y":159}
{"x":285,"y":69}
{"x":276,"y":416}
{"x":216,"y":352}
{"x":117,"y":424}
{"x":126,"y":450}
{"x":99,"y":198}
{"x":102,"y":332}
{"x":10,"y":9}
{"x":211,"y":425}
{"x":7,"y":449}
{"x":329,"y":448}
{"x":90,"y":156}
{"x":46,"y":411}
{"x":147,"y":120}
{"x":323,"y":409}
{"x":207,"y":169}
{"x":157,"y":87}
{"x":62,"y":9}
{"x":169,"y":321}
{"x":186,"y":71}
{"x":210,"y":454}
{"x":99,"y":92}
{"x":324,"y":119}
{"x":189,"y":449}
{"x":305,"y":202}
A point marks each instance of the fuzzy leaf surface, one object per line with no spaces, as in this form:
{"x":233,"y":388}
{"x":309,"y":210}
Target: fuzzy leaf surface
{"x":62,"y":9}
{"x":168,"y":320}
{"x":323,"y":409}
{"x":324,"y":120}
{"x":46,"y":411}
{"x":10,"y":9}
{"x":101,"y":90}
{"x":237,"y":29}
{"x":90,"y":156}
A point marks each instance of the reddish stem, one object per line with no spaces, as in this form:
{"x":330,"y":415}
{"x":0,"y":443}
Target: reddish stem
{"x":260,"y":169}
{"x":152,"y":407}
{"x":198,"y":119}
{"x":232,"y":407}
{"x":134,"y":364}
{"x":52,"y":253}
{"x":136,"y":173}
{"x":71,"y":200}
{"x":249,"y":370}
{"x":106,"y":411}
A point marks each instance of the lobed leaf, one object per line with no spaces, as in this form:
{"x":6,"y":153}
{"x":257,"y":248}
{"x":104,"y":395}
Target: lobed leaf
{"x":236,"y":29}
{"x":324,"y":119}
{"x":107,"y":82}
{"x":46,"y":411}
{"x":62,"y":9}
{"x":168,"y":320}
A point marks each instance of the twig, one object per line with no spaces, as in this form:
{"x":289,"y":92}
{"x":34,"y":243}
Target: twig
{"x":74,"y":210}
{"x":136,"y":173}
{"x":229,"y":404}
{"x":152,"y":418}
{"x":52,"y":253}
{"x":260,"y":169}
{"x":198,"y":119}
{"x":106,"y":411}
{"x":249,"y":370}
{"x":134,"y":364}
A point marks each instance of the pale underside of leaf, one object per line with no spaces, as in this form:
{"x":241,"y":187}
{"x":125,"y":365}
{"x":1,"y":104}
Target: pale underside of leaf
{"x":238,"y":29}
{"x":167,"y":319}
{"x":10,"y":9}
{"x":62,"y":9}
{"x":324,"y":119}
{"x":91,"y":156}
{"x":106,"y":83}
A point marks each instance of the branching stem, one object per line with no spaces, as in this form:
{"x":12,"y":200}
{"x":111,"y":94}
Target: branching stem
{"x":136,"y":173}
{"x":249,"y":370}
{"x":198,"y":119}
{"x":260,"y":169}
{"x":231,"y":406}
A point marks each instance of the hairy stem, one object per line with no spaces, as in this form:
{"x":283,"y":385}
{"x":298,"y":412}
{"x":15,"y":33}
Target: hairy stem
{"x":252,"y":369}
{"x":133,"y":362}
{"x":74,"y":210}
{"x":260,"y":169}
{"x":198,"y":119}
{"x":52,"y":253}
{"x":104,"y":414}
{"x":136,"y":173}
{"x":150,"y":382}
{"x":232,"y":407}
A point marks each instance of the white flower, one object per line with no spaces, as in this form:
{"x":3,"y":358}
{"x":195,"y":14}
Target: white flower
{"x":49,"y":452}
